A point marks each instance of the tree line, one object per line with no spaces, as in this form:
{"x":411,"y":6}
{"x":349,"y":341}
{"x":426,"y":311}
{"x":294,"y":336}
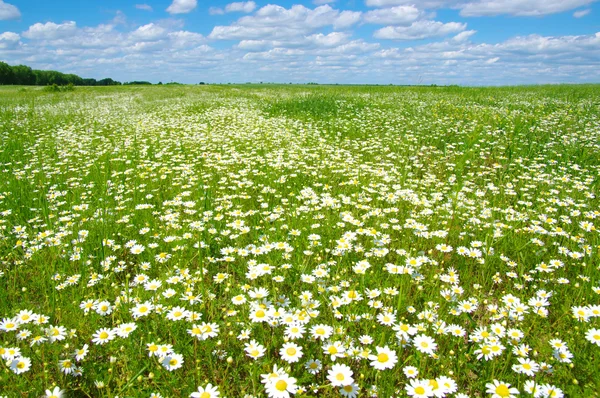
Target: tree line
{"x":24,"y":75}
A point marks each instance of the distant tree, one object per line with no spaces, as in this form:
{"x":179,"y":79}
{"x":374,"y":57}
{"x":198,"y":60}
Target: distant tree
{"x":88,"y":82}
{"x":108,"y":82}
{"x":23,"y":75}
{"x":7,"y":75}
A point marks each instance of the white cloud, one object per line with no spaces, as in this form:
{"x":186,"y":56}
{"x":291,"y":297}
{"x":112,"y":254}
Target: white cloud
{"x":421,"y":4}
{"x":148,"y":32}
{"x":346,"y":19}
{"x":8,"y":11}
{"x":242,"y":6}
{"x":9,"y":40}
{"x":144,"y":7}
{"x":181,"y":39}
{"x":419,"y":30}
{"x":182,"y":6}
{"x":330,"y":40}
{"x":520,"y":7}
{"x":581,"y":13}
{"x":50,"y":30}
{"x":276,"y":22}
{"x":256,"y":45}
{"x":463,"y":36}
{"x":399,"y":15}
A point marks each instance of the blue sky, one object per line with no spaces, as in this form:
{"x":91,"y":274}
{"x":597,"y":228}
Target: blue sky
{"x":467,"y":42}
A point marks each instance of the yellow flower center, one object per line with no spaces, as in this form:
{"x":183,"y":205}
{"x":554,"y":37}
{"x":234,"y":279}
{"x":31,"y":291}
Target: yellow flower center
{"x":420,"y":390}
{"x":281,"y":385}
{"x":291,"y":351}
{"x":502,"y":390}
{"x":103,"y":335}
{"x":339,"y":376}
{"x":205,"y":395}
{"x":383,"y":358}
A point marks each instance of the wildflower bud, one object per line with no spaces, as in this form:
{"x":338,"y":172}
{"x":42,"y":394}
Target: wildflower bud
{"x":229,"y":360}
{"x":140,"y":379}
{"x":24,"y":289}
{"x":575,"y":381}
{"x":571,"y":365}
{"x":150,"y":375}
{"x":451,"y":352}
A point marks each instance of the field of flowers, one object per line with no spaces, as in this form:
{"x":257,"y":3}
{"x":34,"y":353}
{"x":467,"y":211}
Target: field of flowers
{"x":277,"y":241}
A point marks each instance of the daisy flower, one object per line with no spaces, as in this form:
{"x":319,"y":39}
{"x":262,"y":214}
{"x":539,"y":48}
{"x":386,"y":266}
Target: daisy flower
{"x":281,"y":386}
{"x":340,"y":375}
{"x":254,"y":349}
{"x":313,"y":366}
{"x":55,"y":393}
{"x":209,"y":391}
{"x":172,"y":361}
{"x":419,"y":389}
{"x":291,"y":352}
{"x":103,"y":336}
{"x":20,"y":365}
{"x":350,"y":391}
{"x":593,"y":336}
{"x":500,"y":389}
{"x":410,"y":372}
{"x":425,"y":344}
{"x":385,"y":358}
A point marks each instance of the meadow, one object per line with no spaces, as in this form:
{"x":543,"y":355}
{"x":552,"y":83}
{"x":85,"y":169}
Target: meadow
{"x":310,"y":241}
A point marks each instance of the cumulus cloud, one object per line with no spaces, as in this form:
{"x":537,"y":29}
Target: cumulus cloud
{"x":419,"y":30}
{"x":182,"y":6}
{"x":421,"y":4}
{"x":399,"y":15}
{"x":9,"y":40}
{"x":463,"y":36}
{"x":8,"y":11}
{"x":242,"y":6}
{"x":148,"y":32}
{"x":520,"y":7}
{"x":50,"y":30}
{"x":273,"y":21}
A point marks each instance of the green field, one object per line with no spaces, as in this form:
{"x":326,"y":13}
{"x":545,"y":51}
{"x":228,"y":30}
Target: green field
{"x":316,"y":241}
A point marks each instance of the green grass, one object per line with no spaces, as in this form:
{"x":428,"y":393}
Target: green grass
{"x":307,"y":182}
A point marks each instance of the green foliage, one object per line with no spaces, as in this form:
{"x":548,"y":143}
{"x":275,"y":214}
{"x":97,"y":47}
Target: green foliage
{"x":443,"y":207}
{"x":24,"y":75}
